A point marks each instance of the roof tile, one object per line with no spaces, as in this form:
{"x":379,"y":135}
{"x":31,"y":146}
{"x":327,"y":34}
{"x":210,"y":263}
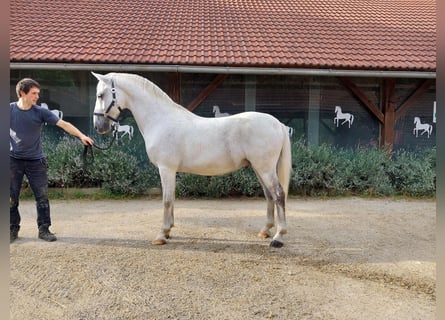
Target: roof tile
{"x":343,"y":34}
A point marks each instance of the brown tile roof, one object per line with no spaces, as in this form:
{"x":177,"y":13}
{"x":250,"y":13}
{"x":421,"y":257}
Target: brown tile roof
{"x":339,"y":34}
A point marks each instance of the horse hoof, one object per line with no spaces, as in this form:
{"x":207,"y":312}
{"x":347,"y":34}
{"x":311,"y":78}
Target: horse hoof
{"x":159,"y":242}
{"x":276,"y":244}
{"x":263,"y":235}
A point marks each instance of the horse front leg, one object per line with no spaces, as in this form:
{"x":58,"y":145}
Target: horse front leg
{"x":168,"y":180}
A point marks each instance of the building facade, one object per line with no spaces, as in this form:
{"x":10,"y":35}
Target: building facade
{"x":349,"y":74}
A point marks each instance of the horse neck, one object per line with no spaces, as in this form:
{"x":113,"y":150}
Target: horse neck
{"x":150,"y":105}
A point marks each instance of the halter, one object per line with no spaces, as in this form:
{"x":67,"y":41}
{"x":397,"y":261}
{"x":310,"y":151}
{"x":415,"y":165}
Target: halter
{"x":112,"y":104}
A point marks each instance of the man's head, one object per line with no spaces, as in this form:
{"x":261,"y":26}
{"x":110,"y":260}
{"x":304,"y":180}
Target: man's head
{"x":25,"y":85}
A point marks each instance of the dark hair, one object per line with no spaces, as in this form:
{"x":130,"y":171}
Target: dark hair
{"x":25,"y":85}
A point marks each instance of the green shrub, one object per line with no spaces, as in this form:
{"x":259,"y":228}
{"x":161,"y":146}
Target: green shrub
{"x":366,"y":172}
{"x":65,"y":165}
{"x":327,"y":170}
{"x":414,"y":174}
{"x":124,"y":169}
{"x":241,"y":182}
{"x":317,"y":170}
{"x":114,"y":170}
{"x":246,"y":183}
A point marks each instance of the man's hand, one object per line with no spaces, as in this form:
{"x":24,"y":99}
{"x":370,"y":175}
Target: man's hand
{"x":87,"y":141}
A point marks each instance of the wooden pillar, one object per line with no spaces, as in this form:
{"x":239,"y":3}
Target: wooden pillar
{"x":389,"y":112}
{"x":313,"y":122}
{"x":174,"y":86}
{"x":250,"y":92}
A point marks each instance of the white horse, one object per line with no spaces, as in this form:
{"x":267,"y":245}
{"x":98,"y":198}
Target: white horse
{"x":218,"y":113}
{"x":339,"y":115}
{"x":426,"y":127}
{"x":177,"y":140}
{"x":126,"y":129}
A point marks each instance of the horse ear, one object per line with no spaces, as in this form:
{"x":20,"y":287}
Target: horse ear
{"x":99,"y":77}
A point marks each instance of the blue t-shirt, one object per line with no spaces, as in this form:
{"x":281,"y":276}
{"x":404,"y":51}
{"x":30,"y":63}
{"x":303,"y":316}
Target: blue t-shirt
{"x":25,"y":129}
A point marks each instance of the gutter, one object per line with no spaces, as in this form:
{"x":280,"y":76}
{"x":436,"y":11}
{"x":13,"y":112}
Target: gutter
{"x":223,"y":70}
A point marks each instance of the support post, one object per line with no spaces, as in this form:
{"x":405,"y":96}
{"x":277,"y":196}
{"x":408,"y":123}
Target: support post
{"x":389,"y":112}
{"x":313,"y":126}
{"x":250,"y":92}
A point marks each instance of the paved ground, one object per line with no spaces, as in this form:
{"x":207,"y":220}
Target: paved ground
{"x":343,"y":259}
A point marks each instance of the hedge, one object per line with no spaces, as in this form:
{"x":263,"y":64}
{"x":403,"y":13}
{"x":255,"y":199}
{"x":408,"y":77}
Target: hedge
{"x":124,"y":169}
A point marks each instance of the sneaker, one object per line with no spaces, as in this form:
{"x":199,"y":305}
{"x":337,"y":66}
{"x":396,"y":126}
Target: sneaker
{"x":45,"y":234}
{"x":13,"y":234}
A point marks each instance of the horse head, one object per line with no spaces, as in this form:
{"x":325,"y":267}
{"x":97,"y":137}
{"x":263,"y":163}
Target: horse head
{"x":106,"y":108}
{"x":337,"y":109}
{"x":416,"y":120}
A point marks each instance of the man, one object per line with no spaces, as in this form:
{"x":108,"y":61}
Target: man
{"x":27,"y":157}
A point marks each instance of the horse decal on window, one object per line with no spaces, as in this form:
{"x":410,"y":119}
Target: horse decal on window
{"x":425,"y":127}
{"x":57,"y":112}
{"x":218,"y":113}
{"x":124,"y":129}
{"x":339,"y":115}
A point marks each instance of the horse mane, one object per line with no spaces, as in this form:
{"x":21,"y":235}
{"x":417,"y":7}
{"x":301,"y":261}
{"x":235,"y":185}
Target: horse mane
{"x":145,"y":85}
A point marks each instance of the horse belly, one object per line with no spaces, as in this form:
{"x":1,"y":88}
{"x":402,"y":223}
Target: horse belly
{"x":211,"y":163}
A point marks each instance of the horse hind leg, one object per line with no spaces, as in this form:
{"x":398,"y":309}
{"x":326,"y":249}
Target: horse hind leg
{"x":264,"y":233}
{"x":275,"y":197}
{"x":280,"y":201}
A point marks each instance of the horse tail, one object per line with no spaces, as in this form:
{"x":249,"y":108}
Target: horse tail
{"x":284,"y":165}
{"x":352,"y":118}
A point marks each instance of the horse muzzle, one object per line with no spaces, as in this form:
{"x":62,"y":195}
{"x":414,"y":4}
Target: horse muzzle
{"x":102,"y":124}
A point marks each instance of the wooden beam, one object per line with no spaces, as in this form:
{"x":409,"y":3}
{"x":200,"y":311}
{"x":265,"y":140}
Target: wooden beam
{"x":174,"y":86}
{"x":389,"y":108}
{"x":207,"y":91}
{"x":362,"y":97}
{"x":408,"y":102}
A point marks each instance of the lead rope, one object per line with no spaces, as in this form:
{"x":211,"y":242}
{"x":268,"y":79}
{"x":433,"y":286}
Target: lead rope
{"x":90,"y":149}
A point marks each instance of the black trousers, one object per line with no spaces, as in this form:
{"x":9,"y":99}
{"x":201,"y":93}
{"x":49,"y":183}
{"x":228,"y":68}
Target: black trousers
{"x":36,"y":172}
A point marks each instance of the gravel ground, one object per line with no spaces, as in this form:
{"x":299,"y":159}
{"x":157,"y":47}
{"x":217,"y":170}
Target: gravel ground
{"x":348,"y":258}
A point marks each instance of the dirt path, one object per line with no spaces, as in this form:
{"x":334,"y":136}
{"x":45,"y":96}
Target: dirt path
{"x":343,"y":259}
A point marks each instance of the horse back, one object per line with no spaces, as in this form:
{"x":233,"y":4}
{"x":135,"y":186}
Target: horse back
{"x":213,"y":146}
